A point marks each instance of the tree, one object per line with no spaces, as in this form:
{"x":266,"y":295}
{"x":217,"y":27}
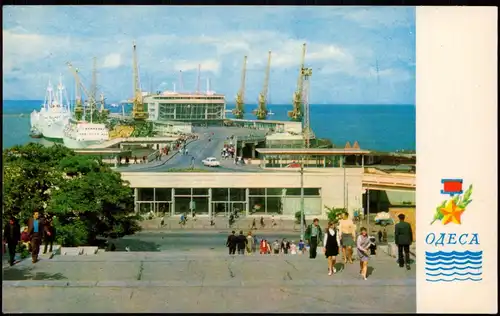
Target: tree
{"x":334,"y":214}
{"x":86,"y":197}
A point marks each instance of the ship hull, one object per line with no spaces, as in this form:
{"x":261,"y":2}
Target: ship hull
{"x":79,"y":144}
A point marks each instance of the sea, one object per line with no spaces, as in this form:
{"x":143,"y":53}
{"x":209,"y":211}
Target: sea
{"x":375,"y":127}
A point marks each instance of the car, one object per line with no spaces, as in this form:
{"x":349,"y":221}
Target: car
{"x":211,"y":162}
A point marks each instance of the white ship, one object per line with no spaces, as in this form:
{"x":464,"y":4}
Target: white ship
{"x":82,"y":134}
{"x":53,"y":115}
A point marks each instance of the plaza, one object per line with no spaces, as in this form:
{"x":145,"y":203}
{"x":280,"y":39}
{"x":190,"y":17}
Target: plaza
{"x":205,"y":280}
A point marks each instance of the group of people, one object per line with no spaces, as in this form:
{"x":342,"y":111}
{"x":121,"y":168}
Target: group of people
{"x":39,"y":229}
{"x":249,"y":244}
{"x":338,"y":237}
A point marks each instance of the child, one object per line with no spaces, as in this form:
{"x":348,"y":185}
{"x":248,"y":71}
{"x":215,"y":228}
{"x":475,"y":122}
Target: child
{"x":301,"y":247}
{"x":293,"y":248}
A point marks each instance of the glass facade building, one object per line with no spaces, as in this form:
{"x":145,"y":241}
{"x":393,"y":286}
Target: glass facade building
{"x":186,"y":107}
{"x":223,"y":201}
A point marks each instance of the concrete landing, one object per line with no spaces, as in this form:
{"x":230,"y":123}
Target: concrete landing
{"x":205,"y":281}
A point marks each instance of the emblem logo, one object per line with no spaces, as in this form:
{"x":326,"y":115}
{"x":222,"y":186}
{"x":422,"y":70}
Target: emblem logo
{"x":450,"y":211}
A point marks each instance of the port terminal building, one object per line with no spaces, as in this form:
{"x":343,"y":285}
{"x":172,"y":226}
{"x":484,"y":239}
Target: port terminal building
{"x":330,"y":177}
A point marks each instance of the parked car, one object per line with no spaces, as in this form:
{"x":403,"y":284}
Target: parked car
{"x":211,"y":162}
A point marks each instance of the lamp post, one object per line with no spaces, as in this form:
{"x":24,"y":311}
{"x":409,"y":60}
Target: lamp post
{"x":302,"y":199}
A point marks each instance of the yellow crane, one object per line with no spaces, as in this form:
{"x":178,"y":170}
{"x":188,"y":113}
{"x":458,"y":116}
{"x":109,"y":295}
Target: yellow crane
{"x":78,"y":98}
{"x":261,"y":111}
{"x":239,"y":111}
{"x":297,"y":112}
{"x":138,"y":112}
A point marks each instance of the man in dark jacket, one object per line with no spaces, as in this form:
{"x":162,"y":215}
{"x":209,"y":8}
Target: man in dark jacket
{"x":242,"y":243}
{"x":231,"y":243}
{"x":36,"y":227}
{"x":49,"y":238}
{"x":314,"y":236}
{"x":403,"y":236}
{"x":12,"y":235}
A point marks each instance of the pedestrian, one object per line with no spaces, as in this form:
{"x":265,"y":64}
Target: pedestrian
{"x":384,"y":235}
{"x":362,"y":244}
{"x":302,"y":247}
{"x":241,"y":242}
{"x":262,"y":224}
{"x":347,"y":237}
{"x":255,"y":243}
{"x":313,"y":237}
{"x":25,"y":238}
{"x":276,"y":247}
{"x":250,"y":243}
{"x":49,"y":238}
{"x":379,"y":236}
{"x":254,"y":225}
{"x":331,"y":244}
{"x":231,"y":243}
{"x":144,"y":158}
{"x":403,"y":237}
{"x":285,"y":246}
{"x":135,"y":160}
{"x":36,"y":226}
{"x":12,"y":236}
{"x":263,"y":247}
{"x":293,"y":248}
{"x":127,"y":160}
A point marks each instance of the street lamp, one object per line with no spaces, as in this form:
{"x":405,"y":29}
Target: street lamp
{"x":302,"y":199}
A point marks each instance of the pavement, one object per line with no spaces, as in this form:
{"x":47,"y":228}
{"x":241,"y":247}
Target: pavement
{"x":205,"y":281}
{"x":201,"y":149}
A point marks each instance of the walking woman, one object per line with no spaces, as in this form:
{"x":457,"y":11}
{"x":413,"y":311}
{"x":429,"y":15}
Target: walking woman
{"x":331,"y":244}
{"x":362,"y":245}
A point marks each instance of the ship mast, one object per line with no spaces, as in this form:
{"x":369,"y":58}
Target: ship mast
{"x":239,"y":111}
{"x":181,"y":84}
{"x":261,"y":112}
{"x":93,"y":88}
{"x":296,"y":113}
{"x":138,"y":112}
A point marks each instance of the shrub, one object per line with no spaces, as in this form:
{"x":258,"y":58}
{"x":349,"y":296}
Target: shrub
{"x":334,"y":214}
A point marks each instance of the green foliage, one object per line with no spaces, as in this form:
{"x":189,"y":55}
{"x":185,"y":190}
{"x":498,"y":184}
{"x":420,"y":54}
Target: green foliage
{"x":22,"y":250}
{"x":322,"y":143}
{"x":87,"y":198}
{"x":297,"y":217}
{"x":334,"y":214}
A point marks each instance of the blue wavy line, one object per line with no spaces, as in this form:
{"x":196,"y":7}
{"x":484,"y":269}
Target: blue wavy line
{"x":454,"y":273}
{"x":453,"y":257}
{"x":451,"y":268}
{"x":444,"y":253}
{"x":455,"y":279}
{"x":453,"y":262}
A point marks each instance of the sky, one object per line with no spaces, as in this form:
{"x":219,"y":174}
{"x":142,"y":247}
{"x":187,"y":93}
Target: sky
{"x":358,"y":55}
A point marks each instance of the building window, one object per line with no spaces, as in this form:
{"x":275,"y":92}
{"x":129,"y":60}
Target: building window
{"x":162,"y":194}
{"x":198,"y":191}
{"x":146,"y":194}
{"x":220,"y":194}
{"x":182,"y":192}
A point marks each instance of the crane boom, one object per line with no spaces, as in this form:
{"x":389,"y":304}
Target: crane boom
{"x":138,"y":112}
{"x":78,"y":98}
{"x":239,"y":111}
{"x":261,"y":111}
{"x":296,"y":113}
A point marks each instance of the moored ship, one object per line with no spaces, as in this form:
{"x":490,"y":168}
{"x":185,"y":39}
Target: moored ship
{"x":49,"y":122}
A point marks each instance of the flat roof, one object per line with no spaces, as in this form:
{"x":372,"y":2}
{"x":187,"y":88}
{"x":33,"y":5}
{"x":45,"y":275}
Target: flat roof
{"x":312,"y":151}
{"x":263,"y":121}
{"x":102,"y":151}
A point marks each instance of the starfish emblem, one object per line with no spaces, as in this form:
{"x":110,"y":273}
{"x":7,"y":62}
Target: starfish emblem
{"x":452,"y":213}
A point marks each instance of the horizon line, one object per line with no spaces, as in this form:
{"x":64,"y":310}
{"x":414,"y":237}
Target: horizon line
{"x":277,"y":104}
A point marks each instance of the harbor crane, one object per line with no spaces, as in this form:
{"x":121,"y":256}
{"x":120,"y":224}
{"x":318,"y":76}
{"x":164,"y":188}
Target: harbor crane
{"x":296,"y":114}
{"x":261,"y":111}
{"x":78,"y":98}
{"x":138,"y":112}
{"x":306,"y":131}
{"x":239,"y":111}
